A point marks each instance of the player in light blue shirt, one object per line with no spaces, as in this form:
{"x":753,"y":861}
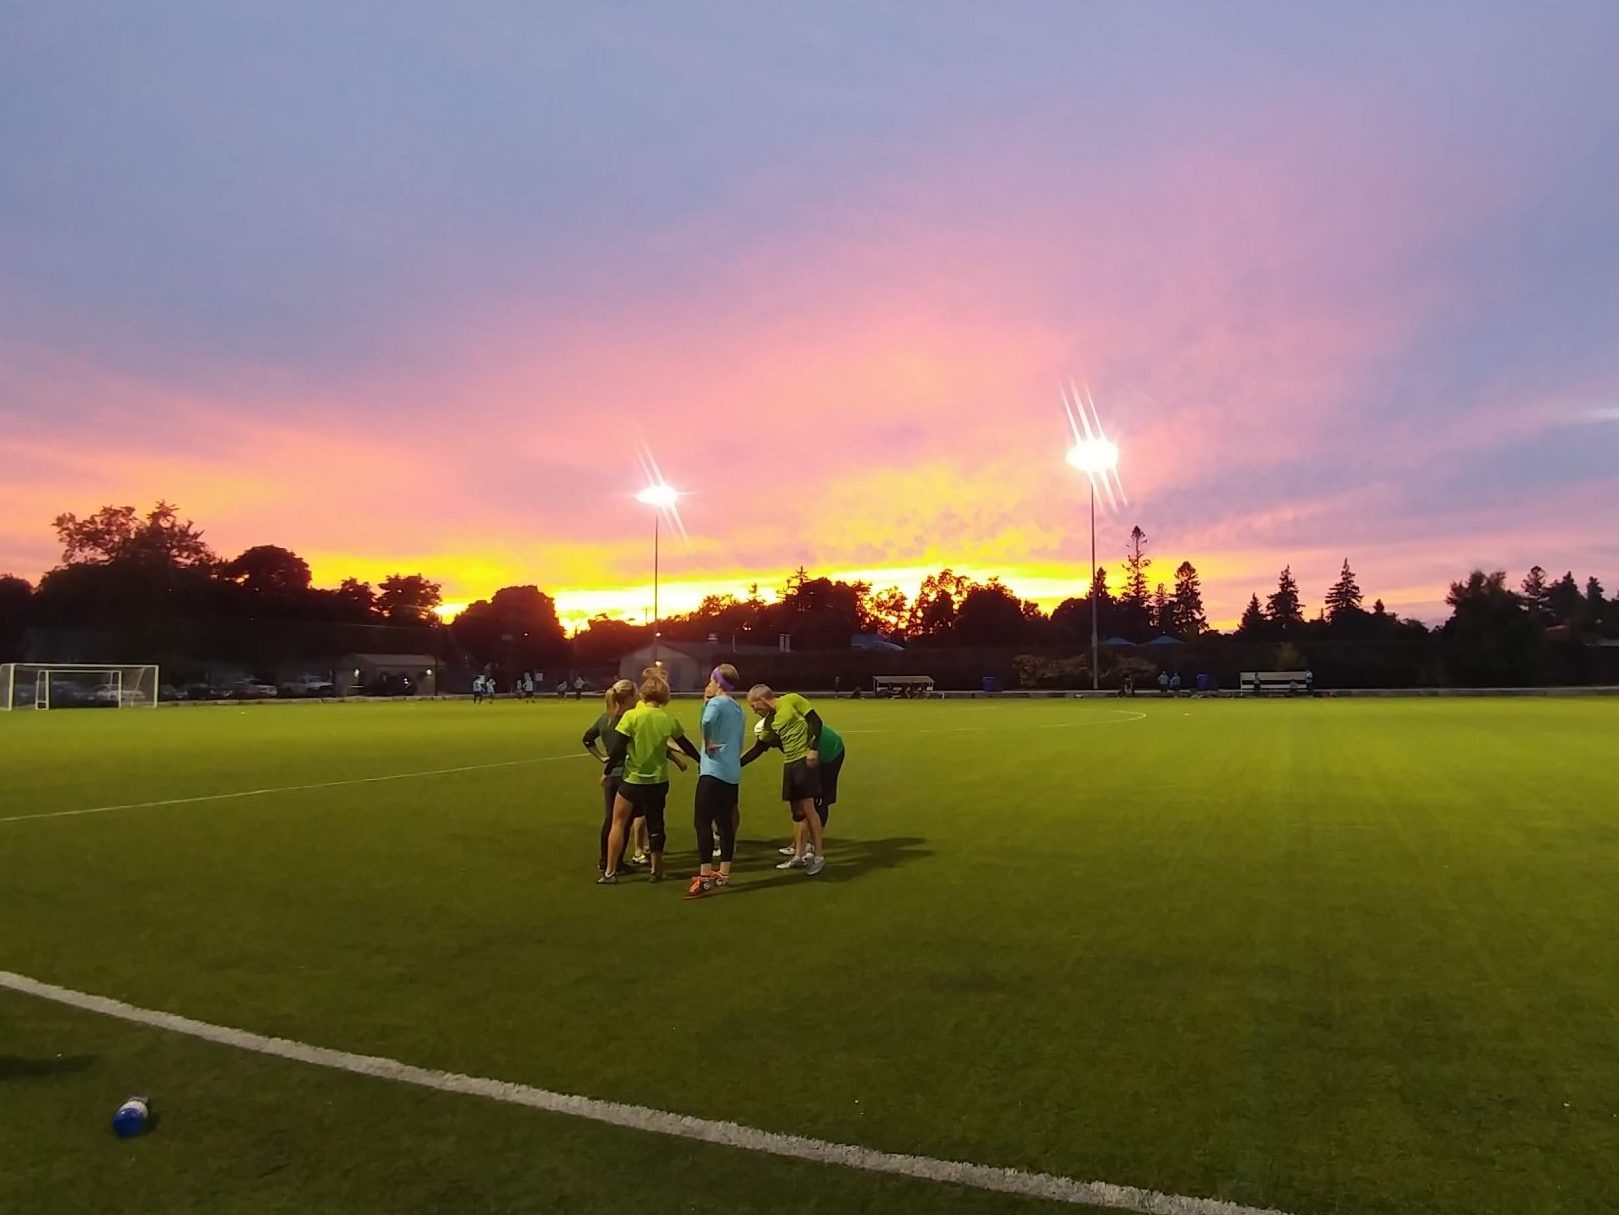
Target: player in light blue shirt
{"x":719,"y":781}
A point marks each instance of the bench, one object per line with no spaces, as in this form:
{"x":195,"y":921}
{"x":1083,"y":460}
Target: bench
{"x":902,"y":687}
{"x":1276,"y":683}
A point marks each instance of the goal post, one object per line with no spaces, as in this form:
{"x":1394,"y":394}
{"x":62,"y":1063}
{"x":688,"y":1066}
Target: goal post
{"x":77,"y":685}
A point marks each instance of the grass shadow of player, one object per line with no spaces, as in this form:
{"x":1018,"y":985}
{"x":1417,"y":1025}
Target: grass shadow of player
{"x":847,"y":859}
{"x":14,"y":1068}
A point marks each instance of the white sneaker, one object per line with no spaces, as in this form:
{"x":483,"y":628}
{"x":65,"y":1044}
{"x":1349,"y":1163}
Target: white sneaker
{"x":816,"y":864}
{"x":795,"y":862}
{"x":787,"y":851}
{"x":717,"y":853}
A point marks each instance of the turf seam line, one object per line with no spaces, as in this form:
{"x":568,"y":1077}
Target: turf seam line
{"x":654,"y":1121}
{"x":325,"y":784}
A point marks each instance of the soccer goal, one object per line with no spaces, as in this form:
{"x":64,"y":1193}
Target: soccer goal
{"x":27,"y":685}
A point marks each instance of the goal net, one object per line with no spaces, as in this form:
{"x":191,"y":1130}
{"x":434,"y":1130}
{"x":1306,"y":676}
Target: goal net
{"x":26,"y":685}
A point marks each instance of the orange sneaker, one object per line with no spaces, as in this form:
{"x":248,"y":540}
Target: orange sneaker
{"x":700,"y":885}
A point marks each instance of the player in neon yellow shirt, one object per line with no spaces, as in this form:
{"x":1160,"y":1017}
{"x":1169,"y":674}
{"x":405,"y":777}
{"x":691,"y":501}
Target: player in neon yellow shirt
{"x":813,"y":754}
{"x":640,"y":742}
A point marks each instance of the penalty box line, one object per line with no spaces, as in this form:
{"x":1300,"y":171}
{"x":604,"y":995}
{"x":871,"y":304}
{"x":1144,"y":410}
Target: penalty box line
{"x":653,"y":1121}
{"x":325,"y":784}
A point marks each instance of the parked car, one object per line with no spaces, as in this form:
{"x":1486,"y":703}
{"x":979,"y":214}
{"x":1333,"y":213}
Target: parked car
{"x":250,"y":689}
{"x":307,"y":685}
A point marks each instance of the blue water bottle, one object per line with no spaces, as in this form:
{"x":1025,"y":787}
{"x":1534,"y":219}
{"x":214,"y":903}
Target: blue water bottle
{"x":131,"y":1118}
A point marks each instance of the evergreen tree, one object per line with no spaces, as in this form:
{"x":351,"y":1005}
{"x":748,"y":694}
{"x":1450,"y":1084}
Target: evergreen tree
{"x":1163,"y":610}
{"x":1534,"y":590}
{"x":1564,"y":603}
{"x":1134,"y":607}
{"x":1190,"y":618}
{"x":1283,"y":608}
{"x":1597,"y":613}
{"x":1253,"y":624}
{"x":1344,"y":598}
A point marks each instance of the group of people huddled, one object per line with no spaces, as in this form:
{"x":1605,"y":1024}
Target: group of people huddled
{"x":485,"y":688}
{"x":636,"y":739}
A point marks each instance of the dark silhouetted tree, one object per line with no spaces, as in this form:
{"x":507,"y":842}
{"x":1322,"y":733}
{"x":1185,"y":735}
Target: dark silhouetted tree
{"x":1163,"y":610}
{"x":989,"y":614}
{"x":408,"y":599}
{"x":1134,"y":615}
{"x":15,"y":596}
{"x":1254,"y":625}
{"x":1344,"y":597}
{"x":268,"y":569}
{"x":1283,"y":609}
{"x":1491,"y":634}
{"x":933,"y":613}
{"x":117,"y":534}
{"x":886,"y":611}
{"x":1191,"y":620}
{"x":1534,"y":589}
{"x":1564,"y":603}
{"x":515,"y":629}
{"x":1597,"y":614}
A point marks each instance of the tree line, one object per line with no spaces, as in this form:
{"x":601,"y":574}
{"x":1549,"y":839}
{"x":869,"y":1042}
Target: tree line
{"x":120,"y":566}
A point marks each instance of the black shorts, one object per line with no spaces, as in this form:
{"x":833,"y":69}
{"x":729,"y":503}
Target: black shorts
{"x":800,"y":782}
{"x":716,"y":798}
{"x":648,"y":800}
{"x":829,"y":780}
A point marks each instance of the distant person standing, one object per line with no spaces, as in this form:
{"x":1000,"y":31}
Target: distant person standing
{"x":477,"y":689}
{"x":1163,"y":683}
{"x":1175,"y":684}
{"x":578,"y":686}
{"x":528,"y":685}
{"x":562,"y":689}
{"x":1309,"y":683}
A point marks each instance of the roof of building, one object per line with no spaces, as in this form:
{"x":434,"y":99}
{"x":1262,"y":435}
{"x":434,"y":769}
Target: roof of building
{"x":393,"y":660}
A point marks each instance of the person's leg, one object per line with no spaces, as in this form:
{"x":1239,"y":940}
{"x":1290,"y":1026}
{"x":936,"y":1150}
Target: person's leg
{"x":703,"y":820}
{"x":609,"y":796}
{"x":729,"y":815}
{"x":656,"y":801}
{"x":615,"y":837}
{"x":640,"y":838}
{"x":812,"y":820}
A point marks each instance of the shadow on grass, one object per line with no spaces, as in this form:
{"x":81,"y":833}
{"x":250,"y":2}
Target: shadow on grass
{"x":13,"y":1068}
{"x":845,"y":861}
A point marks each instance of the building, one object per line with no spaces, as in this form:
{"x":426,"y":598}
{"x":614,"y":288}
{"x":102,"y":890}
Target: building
{"x":356,"y":672}
{"x":687,"y":663}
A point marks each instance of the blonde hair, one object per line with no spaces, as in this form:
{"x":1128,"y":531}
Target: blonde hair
{"x":728,"y":673}
{"x":655,"y":689}
{"x":620,"y":696}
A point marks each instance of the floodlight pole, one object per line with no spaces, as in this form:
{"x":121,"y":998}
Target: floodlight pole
{"x":657,"y":528}
{"x":1096,"y":674}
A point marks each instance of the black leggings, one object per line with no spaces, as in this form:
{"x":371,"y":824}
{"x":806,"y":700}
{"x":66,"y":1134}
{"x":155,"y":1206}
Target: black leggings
{"x":716,"y":813}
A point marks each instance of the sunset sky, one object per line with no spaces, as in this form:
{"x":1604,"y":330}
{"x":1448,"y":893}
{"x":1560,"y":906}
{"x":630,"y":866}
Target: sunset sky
{"x":404,"y":286}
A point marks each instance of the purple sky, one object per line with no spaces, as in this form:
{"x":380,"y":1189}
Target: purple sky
{"x":401,"y":286}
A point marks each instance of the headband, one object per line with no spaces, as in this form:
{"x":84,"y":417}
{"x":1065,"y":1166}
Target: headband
{"x":721,"y":680}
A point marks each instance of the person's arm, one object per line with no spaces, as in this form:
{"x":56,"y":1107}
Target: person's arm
{"x":812,"y":719}
{"x":591,"y":735}
{"x":674,"y":756}
{"x":754,"y":752}
{"x":684,"y":744}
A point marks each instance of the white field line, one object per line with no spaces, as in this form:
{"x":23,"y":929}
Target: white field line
{"x":657,"y":1122}
{"x":325,"y":784}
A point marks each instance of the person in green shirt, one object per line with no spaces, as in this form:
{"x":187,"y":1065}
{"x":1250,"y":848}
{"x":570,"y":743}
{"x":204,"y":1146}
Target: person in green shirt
{"x":640,"y":744}
{"x":616,"y":701}
{"x":813,"y":755}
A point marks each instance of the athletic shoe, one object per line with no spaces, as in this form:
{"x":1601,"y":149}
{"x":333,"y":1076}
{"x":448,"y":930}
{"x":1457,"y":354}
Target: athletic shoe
{"x":809,"y":850}
{"x":721,"y":881}
{"x":640,"y":858}
{"x":700,"y":885}
{"x":607,"y":879}
{"x":816,"y":864}
{"x":655,"y":877}
{"x":794,"y":862}
{"x":717,"y":854}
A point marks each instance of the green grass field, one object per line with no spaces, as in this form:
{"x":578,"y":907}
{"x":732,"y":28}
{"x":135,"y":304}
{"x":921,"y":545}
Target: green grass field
{"x":1327,"y":956}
